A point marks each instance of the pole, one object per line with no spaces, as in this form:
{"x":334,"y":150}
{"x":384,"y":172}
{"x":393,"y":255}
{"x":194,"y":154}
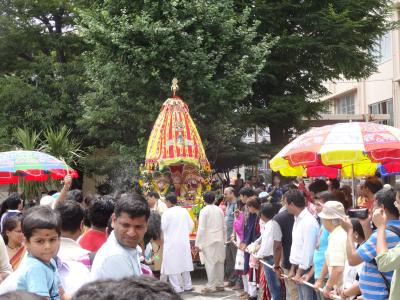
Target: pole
{"x":256,"y":142}
{"x":353,"y":185}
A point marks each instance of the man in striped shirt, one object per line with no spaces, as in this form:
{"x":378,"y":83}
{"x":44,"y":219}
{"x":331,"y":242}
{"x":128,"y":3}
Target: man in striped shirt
{"x":372,"y":282}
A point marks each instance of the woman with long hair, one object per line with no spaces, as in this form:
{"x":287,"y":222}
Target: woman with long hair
{"x":14,"y":240}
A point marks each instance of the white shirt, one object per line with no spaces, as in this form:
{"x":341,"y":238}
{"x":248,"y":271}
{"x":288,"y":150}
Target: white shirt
{"x":114,"y":261}
{"x":262,"y":226}
{"x":350,"y":274}
{"x":336,"y":252}
{"x":73,"y":275}
{"x":5,"y":266}
{"x":211,"y":234}
{"x":70,"y":250}
{"x":304,"y":239}
{"x":176,"y":225}
{"x":160,"y":207}
{"x":211,"y":228}
{"x":267,"y":241}
{"x":276,"y":231}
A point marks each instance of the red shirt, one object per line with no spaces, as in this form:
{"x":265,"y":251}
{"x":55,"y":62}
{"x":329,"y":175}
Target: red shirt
{"x":92,"y":240}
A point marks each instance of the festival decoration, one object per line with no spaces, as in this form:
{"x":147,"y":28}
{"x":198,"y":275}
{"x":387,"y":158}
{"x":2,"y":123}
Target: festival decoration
{"x":174,"y":139}
{"x":175,"y":157}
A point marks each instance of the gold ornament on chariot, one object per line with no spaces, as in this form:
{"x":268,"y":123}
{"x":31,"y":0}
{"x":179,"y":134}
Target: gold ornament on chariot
{"x":174,"y":86}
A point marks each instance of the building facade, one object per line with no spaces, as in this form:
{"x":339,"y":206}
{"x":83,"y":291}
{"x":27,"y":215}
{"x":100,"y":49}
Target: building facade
{"x":376,"y":98}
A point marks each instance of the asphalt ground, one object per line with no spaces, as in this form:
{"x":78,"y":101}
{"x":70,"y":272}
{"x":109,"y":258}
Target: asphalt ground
{"x":199,"y":280}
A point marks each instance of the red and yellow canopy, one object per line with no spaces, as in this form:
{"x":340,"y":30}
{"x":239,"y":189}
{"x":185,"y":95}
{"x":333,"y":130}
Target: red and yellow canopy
{"x":350,"y":148}
{"x":174,"y":138}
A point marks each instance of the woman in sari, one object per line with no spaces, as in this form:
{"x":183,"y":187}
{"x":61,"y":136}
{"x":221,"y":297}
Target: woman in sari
{"x":12,"y":206}
{"x":13,"y":238}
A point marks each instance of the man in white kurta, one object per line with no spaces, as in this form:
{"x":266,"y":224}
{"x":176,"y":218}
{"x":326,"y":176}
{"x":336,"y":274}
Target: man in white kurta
{"x":177,"y":263}
{"x":210,"y":240}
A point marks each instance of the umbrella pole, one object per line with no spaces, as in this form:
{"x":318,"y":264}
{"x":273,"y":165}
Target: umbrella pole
{"x":353,"y":185}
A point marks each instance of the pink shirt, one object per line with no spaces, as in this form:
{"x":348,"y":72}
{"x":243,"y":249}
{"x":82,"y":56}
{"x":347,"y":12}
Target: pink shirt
{"x":238,"y":226}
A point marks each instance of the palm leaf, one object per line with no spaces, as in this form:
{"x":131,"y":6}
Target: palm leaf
{"x":27,"y":139}
{"x":59,"y":144}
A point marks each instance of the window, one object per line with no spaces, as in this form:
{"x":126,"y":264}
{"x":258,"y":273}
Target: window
{"x":383,"y":107}
{"x":345,"y":105}
{"x":330,"y":107}
{"x":383,"y":48}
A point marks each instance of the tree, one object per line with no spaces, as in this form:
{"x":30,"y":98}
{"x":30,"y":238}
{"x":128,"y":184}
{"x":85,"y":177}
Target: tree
{"x":41,"y":73}
{"x":317,"y":41}
{"x":139,"y":46}
{"x":61,"y":144}
{"x":22,"y":105}
{"x":27,"y":140}
{"x":225,"y":147}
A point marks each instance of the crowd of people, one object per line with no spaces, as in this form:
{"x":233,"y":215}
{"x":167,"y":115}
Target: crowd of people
{"x":292,"y":241}
{"x":68,"y":246}
{"x":312,"y":242}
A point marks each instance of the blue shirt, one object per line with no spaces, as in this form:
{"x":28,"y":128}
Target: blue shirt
{"x":372,"y":284}
{"x":319,"y":254}
{"x":39,"y":278}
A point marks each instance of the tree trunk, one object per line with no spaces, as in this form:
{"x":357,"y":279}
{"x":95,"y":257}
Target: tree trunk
{"x":58,"y":24}
{"x":278,"y":135}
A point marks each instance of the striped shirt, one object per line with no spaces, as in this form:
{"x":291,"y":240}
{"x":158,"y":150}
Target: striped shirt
{"x":372,"y":284}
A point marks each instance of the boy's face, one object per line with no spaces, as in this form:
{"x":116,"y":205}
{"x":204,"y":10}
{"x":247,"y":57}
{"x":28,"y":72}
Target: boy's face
{"x":43,"y":244}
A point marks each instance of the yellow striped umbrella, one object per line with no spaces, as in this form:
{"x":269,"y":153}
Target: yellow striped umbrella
{"x":352,"y":149}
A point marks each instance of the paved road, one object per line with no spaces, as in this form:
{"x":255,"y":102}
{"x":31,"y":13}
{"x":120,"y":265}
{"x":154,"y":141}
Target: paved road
{"x":199,"y":279}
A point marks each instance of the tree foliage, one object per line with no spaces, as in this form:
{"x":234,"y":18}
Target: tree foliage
{"x":26,"y":139}
{"x":317,"y":41}
{"x":62,"y":144}
{"x":139,"y":46}
{"x":226,"y":149}
{"x":41,"y":73}
{"x":103,"y":68}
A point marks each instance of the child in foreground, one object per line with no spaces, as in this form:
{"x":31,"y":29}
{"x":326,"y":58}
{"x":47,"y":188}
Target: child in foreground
{"x":38,"y":274}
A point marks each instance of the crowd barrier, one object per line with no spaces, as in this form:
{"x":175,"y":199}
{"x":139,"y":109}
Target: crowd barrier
{"x":285,"y":276}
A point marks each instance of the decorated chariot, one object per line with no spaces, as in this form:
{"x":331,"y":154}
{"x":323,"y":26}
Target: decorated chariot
{"x":175,"y":157}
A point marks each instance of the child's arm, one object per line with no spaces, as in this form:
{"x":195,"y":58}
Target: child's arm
{"x":63,"y":295}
